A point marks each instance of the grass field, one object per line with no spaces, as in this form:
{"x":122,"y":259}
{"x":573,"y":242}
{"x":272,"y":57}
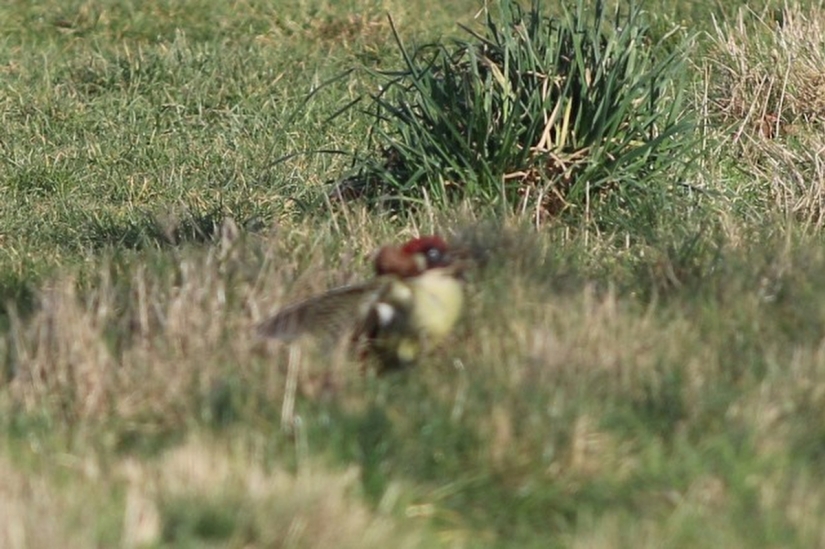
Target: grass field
{"x":161,"y":191}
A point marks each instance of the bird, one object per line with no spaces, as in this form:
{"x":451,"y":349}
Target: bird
{"x":412,"y":304}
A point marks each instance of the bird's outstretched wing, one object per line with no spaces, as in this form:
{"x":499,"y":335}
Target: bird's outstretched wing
{"x":329,"y":316}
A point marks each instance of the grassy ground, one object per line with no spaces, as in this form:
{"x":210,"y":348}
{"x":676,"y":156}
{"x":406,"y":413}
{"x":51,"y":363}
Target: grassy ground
{"x":664,"y":389}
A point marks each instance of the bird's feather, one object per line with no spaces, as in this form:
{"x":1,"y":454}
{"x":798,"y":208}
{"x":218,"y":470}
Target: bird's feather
{"x":328,"y":316}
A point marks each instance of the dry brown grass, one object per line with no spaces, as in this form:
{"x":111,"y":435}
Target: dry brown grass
{"x":767,"y":71}
{"x":35,"y":512}
{"x":795,"y":176}
{"x":196,"y":481}
{"x":765,"y":90}
{"x":313,"y":508}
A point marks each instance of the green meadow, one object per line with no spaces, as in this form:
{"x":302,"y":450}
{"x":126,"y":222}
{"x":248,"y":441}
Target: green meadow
{"x":642,"y":358}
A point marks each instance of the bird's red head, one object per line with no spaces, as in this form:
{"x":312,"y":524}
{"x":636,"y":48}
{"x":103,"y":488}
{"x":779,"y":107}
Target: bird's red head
{"x":413,"y":258}
{"x":432,"y":248}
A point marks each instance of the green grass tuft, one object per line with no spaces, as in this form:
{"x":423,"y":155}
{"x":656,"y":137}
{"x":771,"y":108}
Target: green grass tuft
{"x":550,"y":115}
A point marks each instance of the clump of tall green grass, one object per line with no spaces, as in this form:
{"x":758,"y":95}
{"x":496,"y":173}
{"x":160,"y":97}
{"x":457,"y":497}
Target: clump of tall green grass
{"x":549,"y":114}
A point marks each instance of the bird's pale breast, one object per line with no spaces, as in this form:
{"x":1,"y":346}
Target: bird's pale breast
{"x":438,"y":298}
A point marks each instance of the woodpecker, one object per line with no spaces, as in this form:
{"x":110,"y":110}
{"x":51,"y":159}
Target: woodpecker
{"x":412,"y":304}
